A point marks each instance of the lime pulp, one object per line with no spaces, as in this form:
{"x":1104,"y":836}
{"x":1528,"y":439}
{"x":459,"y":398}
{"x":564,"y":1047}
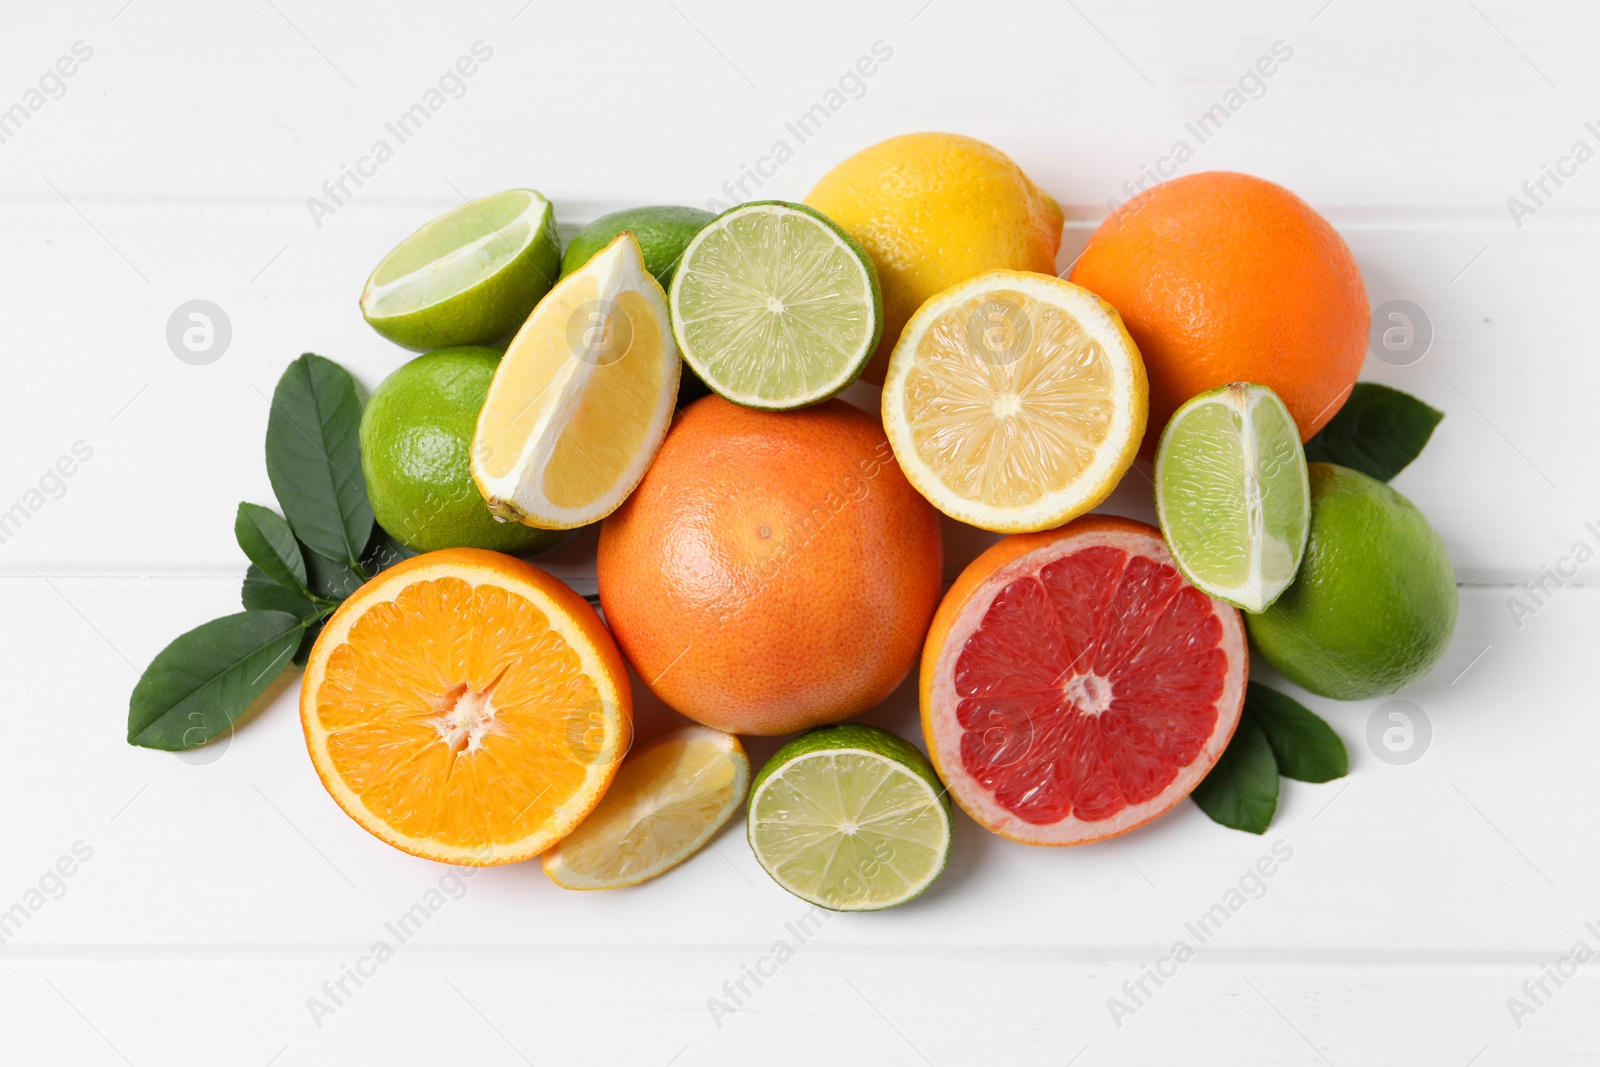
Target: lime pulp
{"x":775,"y":307}
{"x":1232,"y":494}
{"x":851,"y":818}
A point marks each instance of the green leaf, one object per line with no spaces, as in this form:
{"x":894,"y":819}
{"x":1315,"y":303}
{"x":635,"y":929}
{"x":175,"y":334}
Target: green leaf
{"x":270,"y":545}
{"x":1242,"y":789}
{"x":331,"y":579}
{"x":201,"y":682}
{"x":383,"y":552}
{"x":1306,"y":748}
{"x":261,"y":593}
{"x":303,"y":653}
{"x":1378,"y":431}
{"x":314,"y":458}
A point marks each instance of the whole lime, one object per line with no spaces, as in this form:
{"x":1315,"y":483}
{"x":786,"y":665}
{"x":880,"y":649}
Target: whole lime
{"x":663,"y":232}
{"x":416,"y":450}
{"x":1374,"y":603}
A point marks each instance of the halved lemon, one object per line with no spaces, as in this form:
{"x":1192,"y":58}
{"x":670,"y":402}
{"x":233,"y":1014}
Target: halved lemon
{"x":466,"y":707}
{"x":582,"y":398}
{"x":1015,"y":401}
{"x":667,"y":802}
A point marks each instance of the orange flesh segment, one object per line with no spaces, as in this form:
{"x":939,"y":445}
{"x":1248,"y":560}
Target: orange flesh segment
{"x":458,"y":715}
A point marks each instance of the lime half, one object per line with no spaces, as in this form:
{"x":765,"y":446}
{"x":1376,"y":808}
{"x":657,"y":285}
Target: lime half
{"x":1232,"y":494}
{"x":851,"y":818}
{"x":469,"y":277}
{"x":775,"y":306}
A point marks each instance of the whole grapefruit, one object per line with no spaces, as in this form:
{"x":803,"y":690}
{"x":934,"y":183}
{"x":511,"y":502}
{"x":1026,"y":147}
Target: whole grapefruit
{"x":773,"y":571}
{"x":1224,"y":277}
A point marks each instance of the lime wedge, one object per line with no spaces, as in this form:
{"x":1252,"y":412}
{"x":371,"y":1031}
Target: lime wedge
{"x":775,"y":306}
{"x":1232,"y":494}
{"x":851,"y":818}
{"x":469,"y":277}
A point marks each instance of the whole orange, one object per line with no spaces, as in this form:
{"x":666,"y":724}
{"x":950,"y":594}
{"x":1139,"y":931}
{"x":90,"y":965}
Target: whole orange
{"x":773,"y":571}
{"x":1223,"y":277}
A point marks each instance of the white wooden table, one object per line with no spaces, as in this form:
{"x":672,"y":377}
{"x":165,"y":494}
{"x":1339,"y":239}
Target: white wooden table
{"x":212,"y":896}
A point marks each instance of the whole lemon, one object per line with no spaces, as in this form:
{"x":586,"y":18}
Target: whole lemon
{"x":934,"y":209}
{"x":1374,"y":603}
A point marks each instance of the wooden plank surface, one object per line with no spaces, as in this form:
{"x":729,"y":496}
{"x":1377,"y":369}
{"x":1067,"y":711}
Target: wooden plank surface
{"x":211,"y":896}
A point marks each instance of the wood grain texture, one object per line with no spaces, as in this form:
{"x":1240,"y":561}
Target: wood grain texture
{"x":223,"y":888}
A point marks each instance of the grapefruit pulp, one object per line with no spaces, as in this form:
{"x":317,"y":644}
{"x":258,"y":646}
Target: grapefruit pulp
{"x":1074,"y":686}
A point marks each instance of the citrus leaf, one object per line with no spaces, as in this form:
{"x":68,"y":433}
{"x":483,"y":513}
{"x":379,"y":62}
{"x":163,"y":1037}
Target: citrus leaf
{"x":1242,"y":789}
{"x":314,"y":458}
{"x":383,"y":552}
{"x":261,"y":593}
{"x":1379,"y":431}
{"x":331,"y":579}
{"x":313,"y":629}
{"x":201,"y":682}
{"x":1306,"y":748}
{"x":268,"y":543}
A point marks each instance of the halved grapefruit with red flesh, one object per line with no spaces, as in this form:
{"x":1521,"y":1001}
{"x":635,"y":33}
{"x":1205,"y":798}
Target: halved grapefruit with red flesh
{"x":1075,"y":686}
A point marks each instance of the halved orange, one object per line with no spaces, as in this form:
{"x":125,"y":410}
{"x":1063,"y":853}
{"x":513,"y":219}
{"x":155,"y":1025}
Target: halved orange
{"x":466,"y":707}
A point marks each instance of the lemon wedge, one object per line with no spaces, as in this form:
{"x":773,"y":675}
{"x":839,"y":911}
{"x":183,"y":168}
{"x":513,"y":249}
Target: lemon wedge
{"x":582,"y":398}
{"x":1015,"y":401}
{"x":666,"y":802}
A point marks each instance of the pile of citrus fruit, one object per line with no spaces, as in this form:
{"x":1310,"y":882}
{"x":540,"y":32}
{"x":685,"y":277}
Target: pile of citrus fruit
{"x":770,"y":558}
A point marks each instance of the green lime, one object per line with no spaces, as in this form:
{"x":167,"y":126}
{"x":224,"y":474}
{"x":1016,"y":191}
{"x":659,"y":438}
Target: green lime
{"x":850,"y":817}
{"x":775,"y":307}
{"x":469,"y":277}
{"x":1232,"y":494}
{"x":663,"y":233}
{"x":1374,"y":604}
{"x":416,"y":450}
